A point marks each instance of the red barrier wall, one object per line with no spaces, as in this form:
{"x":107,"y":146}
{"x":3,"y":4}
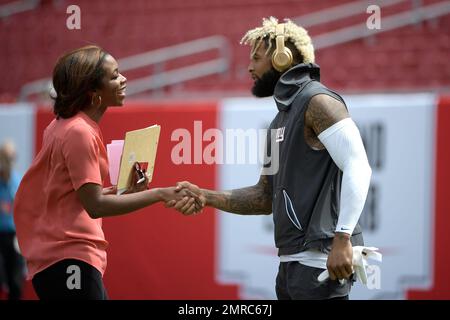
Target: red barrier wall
{"x":441,"y":277}
{"x":156,"y":253}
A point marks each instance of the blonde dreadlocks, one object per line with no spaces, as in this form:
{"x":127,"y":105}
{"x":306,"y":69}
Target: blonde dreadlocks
{"x":293,"y":33}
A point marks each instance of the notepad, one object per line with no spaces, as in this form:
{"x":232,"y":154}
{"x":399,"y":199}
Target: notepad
{"x":114,"y":150}
{"x":139,"y":146}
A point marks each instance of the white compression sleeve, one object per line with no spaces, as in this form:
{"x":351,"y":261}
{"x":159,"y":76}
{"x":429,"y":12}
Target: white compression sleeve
{"x":344,"y":144}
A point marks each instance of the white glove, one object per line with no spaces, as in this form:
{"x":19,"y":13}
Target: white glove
{"x":359,"y":263}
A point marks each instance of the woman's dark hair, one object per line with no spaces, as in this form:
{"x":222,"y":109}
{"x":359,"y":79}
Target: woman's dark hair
{"x":75,"y":75}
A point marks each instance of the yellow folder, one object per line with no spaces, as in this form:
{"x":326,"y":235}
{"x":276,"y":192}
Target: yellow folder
{"x":139,"y":146}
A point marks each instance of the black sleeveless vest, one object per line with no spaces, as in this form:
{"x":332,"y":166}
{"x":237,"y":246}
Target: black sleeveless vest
{"x":307,"y":185}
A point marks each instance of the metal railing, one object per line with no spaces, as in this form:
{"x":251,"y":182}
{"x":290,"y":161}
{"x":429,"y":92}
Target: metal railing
{"x":391,"y":22}
{"x":340,"y":12}
{"x":165,"y":78}
{"x":14,"y":7}
{"x":158,"y":58}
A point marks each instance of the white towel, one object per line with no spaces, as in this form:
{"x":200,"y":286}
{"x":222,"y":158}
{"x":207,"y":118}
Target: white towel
{"x":360,"y":256}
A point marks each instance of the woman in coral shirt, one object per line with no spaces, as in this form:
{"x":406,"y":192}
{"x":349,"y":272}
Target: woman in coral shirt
{"x":60,"y":201}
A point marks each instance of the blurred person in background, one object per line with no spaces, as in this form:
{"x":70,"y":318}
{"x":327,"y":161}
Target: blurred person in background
{"x":61,"y":201}
{"x":319,"y":189}
{"x":11,"y":261}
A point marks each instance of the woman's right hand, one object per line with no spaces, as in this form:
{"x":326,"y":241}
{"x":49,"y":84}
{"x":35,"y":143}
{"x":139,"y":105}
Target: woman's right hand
{"x":138,"y":180}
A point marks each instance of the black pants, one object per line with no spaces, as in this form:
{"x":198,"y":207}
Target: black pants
{"x":69,"y":279}
{"x":296,"y":281}
{"x":11,"y":265}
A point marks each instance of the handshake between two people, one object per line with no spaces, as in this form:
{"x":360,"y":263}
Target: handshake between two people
{"x":185,"y":197}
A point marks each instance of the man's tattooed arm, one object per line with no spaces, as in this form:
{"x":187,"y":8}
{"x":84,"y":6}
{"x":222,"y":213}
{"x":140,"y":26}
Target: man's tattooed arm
{"x":253,"y":200}
{"x":324,"y":111}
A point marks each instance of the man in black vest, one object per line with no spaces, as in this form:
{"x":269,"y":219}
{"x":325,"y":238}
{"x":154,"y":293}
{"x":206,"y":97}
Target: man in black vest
{"x":318,"y":187}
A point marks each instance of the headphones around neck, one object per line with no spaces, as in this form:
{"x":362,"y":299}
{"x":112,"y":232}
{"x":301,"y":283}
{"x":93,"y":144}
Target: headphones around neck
{"x":282,"y":56}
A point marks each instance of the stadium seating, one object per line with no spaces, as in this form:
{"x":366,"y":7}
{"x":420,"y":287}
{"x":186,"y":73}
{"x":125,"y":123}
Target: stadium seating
{"x":411,"y":58}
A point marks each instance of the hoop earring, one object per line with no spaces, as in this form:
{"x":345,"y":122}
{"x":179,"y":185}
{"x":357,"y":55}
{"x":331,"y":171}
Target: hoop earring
{"x":99,"y":101}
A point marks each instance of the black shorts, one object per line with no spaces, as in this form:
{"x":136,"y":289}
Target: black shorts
{"x":296,"y":281}
{"x":69,"y":279}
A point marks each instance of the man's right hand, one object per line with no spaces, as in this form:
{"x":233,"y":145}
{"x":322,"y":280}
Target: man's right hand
{"x":185,"y":206}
